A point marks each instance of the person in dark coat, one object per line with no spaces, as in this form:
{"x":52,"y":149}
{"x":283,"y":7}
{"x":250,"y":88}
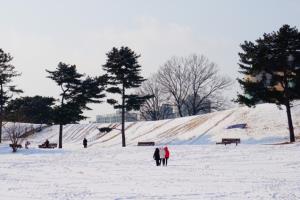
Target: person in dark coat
{"x":156,"y":157}
{"x":47,"y":143}
{"x":84,"y":142}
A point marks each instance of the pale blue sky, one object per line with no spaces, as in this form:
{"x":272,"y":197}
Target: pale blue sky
{"x":39,"y":33}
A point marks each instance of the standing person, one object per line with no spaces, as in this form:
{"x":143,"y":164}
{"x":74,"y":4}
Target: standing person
{"x":162,"y":155}
{"x":27,"y":143}
{"x":167,"y":154}
{"x":47,"y":143}
{"x":84,"y":142}
{"x":156,"y":157}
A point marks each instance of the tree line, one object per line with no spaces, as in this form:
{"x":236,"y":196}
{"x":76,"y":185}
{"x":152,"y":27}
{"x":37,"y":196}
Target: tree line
{"x":270,"y":67}
{"x":77,"y":91}
{"x":195,"y":79}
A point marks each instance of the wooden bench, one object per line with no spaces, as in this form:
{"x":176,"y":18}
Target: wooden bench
{"x":16,"y":145}
{"x":226,"y":141}
{"x":50,"y":146}
{"x":146,"y":143}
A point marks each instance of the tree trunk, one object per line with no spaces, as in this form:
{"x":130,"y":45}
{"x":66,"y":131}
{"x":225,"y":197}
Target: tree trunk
{"x":1,"y":111}
{"x":60,"y":136}
{"x":123,"y":117}
{"x":1,"y":127}
{"x":290,"y":122}
{"x":179,"y":110}
{"x":60,"y":125}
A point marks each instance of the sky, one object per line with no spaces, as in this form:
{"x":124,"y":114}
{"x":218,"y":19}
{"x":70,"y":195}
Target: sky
{"x":40,"y":34}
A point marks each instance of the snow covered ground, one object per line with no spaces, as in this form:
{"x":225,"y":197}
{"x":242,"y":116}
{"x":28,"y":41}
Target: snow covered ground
{"x":194,"y":172}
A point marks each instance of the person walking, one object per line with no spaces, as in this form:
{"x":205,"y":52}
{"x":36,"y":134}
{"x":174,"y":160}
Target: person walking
{"x":167,"y":152}
{"x":156,"y":157}
{"x":84,"y":142}
{"x":162,"y":155}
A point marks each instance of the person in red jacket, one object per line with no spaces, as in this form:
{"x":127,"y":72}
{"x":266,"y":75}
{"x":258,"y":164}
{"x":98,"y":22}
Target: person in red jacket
{"x":167,"y":155}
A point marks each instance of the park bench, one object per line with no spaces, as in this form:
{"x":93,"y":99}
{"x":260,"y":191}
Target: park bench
{"x":146,"y":143}
{"x":16,"y":145}
{"x":226,"y":141}
{"x":50,"y":146}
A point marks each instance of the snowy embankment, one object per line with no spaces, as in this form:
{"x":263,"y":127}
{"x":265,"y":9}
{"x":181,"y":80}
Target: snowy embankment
{"x":194,"y":172}
{"x":265,"y":124}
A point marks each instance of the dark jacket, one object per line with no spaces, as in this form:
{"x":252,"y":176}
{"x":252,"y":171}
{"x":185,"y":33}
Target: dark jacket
{"x":156,"y":154}
{"x":84,"y":142}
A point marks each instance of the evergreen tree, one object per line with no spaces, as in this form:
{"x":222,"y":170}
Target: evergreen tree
{"x":7,"y":73}
{"x":271,"y":69}
{"x":37,"y":110}
{"x":76,"y":92}
{"x":123,"y":73}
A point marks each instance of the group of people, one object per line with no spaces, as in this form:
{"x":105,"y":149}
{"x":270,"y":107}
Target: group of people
{"x":161,"y":156}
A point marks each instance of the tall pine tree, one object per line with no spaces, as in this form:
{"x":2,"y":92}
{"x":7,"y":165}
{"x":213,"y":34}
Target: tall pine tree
{"x":76,"y":92}
{"x":7,"y":73}
{"x":123,"y":73}
{"x":271,"y":69}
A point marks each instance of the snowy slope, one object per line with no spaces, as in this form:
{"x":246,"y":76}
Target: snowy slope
{"x":265,"y":124}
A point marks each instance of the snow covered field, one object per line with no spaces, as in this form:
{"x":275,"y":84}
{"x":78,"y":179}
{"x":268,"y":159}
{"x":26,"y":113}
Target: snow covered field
{"x":194,"y":172}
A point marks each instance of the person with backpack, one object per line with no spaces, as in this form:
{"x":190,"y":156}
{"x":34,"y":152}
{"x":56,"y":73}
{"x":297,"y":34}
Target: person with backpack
{"x":156,"y":157}
{"x":167,"y":154}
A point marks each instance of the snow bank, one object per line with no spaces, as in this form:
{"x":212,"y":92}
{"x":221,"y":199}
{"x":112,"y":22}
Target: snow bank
{"x":265,"y":124}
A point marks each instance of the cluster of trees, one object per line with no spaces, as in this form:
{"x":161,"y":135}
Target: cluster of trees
{"x":187,"y":83}
{"x":191,"y":84}
{"x":77,"y":91}
{"x":271,"y":70}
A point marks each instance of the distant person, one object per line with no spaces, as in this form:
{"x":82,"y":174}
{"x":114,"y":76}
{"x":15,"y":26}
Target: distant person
{"x":47,"y":143}
{"x":156,"y":157}
{"x":27,"y":143}
{"x":84,"y":142}
{"x":167,"y":152}
{"x":162,"y":155}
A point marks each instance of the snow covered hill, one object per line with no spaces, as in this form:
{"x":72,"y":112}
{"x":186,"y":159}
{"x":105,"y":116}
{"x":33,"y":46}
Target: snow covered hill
{"x":265,"y":124}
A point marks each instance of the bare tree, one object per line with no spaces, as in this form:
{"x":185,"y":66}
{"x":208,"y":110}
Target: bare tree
{"x":15,"y":131}
{"x":154,"y":108}
{"x":173,"y":77}
{"x":194,"y":84}
{"x":206,"y":85}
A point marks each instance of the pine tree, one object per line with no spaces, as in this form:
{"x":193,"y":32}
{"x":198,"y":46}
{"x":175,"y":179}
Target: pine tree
{"x":123,"y":73}
{"x":271,"y":69}
{"x":36,"y":110}
{"x":76,"y":93}
{"x":7,"y":73}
